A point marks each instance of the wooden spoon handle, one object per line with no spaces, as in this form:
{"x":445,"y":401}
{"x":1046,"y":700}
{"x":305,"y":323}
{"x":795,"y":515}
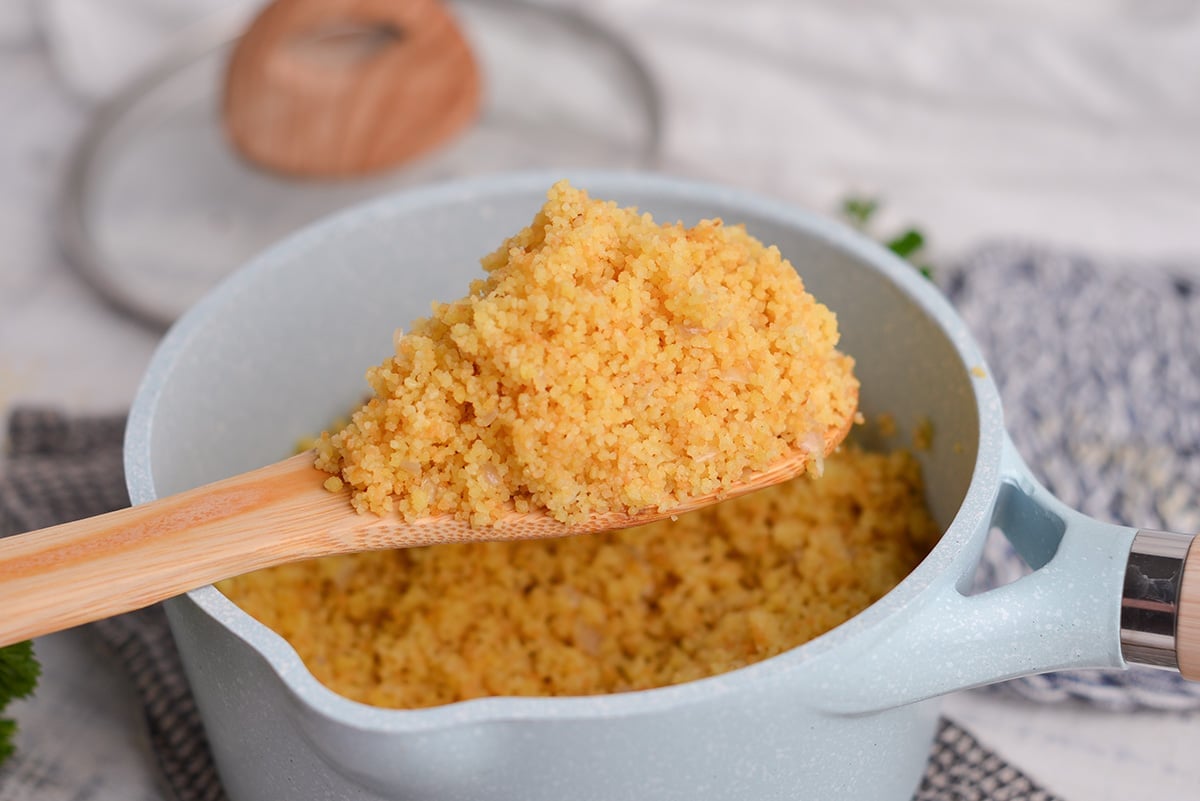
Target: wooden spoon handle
{"x":82,"y":571}
{"x":90,"y":569}
{"x":85,"y":570}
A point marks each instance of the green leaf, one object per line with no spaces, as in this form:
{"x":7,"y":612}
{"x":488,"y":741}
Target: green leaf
{"x":859,"y":210}
{"x":8,"y":737}
{"x":19,"y":672}
{"x":907,"y":243}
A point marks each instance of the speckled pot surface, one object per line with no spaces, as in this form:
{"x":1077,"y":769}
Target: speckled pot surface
{"x":280,"y":348}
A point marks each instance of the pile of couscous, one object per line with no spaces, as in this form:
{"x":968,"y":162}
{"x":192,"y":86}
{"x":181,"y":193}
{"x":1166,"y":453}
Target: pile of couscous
{"x":606,"y":363}
{"x":717,"y":589}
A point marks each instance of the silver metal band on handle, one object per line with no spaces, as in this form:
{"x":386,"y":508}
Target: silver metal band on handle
{"x":1150,"y":601}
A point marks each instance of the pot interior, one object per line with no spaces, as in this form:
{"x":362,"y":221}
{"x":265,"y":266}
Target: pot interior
{"x":280,"y":348}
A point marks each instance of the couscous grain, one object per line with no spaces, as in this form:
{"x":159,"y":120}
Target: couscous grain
{"x":606,"y":363}
{"x":718,"y":589}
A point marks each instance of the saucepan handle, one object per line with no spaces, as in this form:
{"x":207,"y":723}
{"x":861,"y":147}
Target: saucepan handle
{"x":1098,"y":595}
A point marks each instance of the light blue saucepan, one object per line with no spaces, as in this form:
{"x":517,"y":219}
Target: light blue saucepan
{"x":280,"y":348}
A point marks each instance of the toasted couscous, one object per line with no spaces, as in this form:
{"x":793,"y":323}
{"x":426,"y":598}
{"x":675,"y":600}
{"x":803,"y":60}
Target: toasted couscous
{"x":718,"y":589}
{"x":606,"y":363}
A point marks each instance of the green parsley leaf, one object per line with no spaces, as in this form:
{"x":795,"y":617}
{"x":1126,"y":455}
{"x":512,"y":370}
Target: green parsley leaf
{"x":859,"y":210}
{"x":8,"y":736}
{"x":19,"y":671}
{"x":907,"y":243}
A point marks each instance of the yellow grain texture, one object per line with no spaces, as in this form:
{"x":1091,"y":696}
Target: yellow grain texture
{"x":606,"y":363}
{"x":715,"y":590}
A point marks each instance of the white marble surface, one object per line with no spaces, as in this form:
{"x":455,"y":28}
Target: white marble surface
{"x":1073,"y":122}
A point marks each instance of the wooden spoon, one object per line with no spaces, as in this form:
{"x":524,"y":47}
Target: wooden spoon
{"x":331,"y":88}
{"x":78,"y":572}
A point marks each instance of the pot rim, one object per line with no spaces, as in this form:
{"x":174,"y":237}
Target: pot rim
{"x":285,"y":661}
